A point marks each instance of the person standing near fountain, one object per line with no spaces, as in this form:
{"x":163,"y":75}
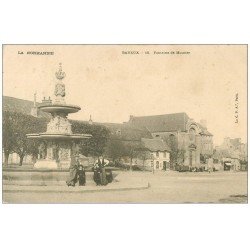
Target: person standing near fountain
{"x":100,"y":172}
{"x":81,"y":175}
{"x":103,"y":173}
{"x":97,"y":172}
{"x":76,"y":173}
{"x":72,"y":176}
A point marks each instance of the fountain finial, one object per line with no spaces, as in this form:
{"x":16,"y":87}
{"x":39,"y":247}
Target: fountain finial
{"x":60,"y":74}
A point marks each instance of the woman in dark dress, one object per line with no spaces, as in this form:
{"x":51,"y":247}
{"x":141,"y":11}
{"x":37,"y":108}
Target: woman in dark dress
{"x":81,"y":175}
{"x":73,"y":173}
{"x":109,"y":176}
{"x":103,"y":176}
{"x":72,"y":176}
{"x":97,"y":175}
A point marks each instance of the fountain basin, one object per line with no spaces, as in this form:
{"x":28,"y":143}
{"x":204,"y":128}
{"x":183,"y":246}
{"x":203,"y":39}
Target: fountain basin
{"x":60,"y":108}
{"x":58,"y":136}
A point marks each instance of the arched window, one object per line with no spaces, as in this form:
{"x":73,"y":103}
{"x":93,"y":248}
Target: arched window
{"x":192,"y":133}
{"x":172,"y":138}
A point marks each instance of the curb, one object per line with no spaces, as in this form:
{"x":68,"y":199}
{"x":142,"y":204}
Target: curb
{"x":6,"y":190}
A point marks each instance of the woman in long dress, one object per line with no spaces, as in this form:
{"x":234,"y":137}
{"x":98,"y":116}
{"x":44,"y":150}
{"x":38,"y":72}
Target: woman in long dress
{"x":103,"y":173}
{"x":81,"y":175}
{"x":73,"y":173}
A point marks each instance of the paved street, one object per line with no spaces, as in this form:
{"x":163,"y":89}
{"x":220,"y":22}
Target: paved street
{"x":165,"y":187}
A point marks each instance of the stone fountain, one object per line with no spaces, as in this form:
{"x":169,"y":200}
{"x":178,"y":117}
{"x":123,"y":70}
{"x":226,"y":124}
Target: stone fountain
{"x":58,"y":146}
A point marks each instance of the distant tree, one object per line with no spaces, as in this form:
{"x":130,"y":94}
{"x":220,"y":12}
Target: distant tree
{"x":8,"y":136}
{"x":115,"y":149}
{"x":144,"y":155}
{"x":21,"y":125}
{"x":132,"y":151}
{"x":176,"y":154}
{"x":26,"y":124}
{"x":179,"y":156}
{"x":95,"y":146}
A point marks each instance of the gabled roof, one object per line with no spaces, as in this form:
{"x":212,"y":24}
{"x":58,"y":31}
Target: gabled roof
{"x":155,"y":145}
{"x":161,"y":123}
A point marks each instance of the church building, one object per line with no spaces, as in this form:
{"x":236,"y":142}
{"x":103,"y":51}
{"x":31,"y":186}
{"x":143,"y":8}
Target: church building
{"x":182,"y":134}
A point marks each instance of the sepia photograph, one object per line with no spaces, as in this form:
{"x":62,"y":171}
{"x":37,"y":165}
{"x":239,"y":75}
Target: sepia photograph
{"x":122,"y":124}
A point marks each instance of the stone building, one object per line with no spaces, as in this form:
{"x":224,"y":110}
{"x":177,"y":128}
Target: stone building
{"x":235,"y":148}
{"x":26,"y":107}
{"x":232,"y":152}
{"x":154,"y":154}
{"x":181,"y":134}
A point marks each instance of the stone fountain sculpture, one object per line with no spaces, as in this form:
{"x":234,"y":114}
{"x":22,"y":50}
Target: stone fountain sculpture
{"x":58,"y":146}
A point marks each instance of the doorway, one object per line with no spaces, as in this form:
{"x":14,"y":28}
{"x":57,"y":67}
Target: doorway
{"x":164,"y":165}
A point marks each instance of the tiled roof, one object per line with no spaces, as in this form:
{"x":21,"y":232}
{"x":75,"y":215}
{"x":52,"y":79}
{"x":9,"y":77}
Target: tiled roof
{"x":165,"y":123}
{"x":13,"y":104}
{"x":155,"y":145}
{"x":161,"y":123}
{"x":127,"y":132}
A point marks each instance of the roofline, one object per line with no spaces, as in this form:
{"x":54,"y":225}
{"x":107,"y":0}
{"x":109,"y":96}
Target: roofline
{"x":156,"y":150}
{"x":160,"y":115}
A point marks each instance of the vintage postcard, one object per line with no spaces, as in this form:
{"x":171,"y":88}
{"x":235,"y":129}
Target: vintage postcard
{"x":124,"y":124}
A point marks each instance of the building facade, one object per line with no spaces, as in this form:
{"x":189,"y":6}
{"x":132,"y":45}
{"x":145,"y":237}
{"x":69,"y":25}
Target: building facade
{"x":189,"y":140}
{"x":153,"y":154}
{"x":233,"y":153}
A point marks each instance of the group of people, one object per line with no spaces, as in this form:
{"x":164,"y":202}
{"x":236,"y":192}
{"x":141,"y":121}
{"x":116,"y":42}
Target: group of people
{"x":101,"y":176}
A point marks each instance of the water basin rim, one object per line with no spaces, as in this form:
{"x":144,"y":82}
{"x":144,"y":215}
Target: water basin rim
{"x":59,"y":106}
{"x":55,"y":136}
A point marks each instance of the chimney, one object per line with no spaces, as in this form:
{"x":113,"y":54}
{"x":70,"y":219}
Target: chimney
{"x":203,"y":123}
{"x":46,"y":101}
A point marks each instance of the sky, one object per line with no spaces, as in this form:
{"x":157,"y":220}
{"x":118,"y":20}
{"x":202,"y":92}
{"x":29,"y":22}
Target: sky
{"x":110,"y":85}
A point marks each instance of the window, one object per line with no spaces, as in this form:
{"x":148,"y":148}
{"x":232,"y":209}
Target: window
{"x":165,"y":154}
{"x":157,"y":165}
{"x":172,"y":139}
{"x":157,"y":136}
{"x":118,"y":132}
{"x":192,"y":134}
{"x":157,"y":154}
